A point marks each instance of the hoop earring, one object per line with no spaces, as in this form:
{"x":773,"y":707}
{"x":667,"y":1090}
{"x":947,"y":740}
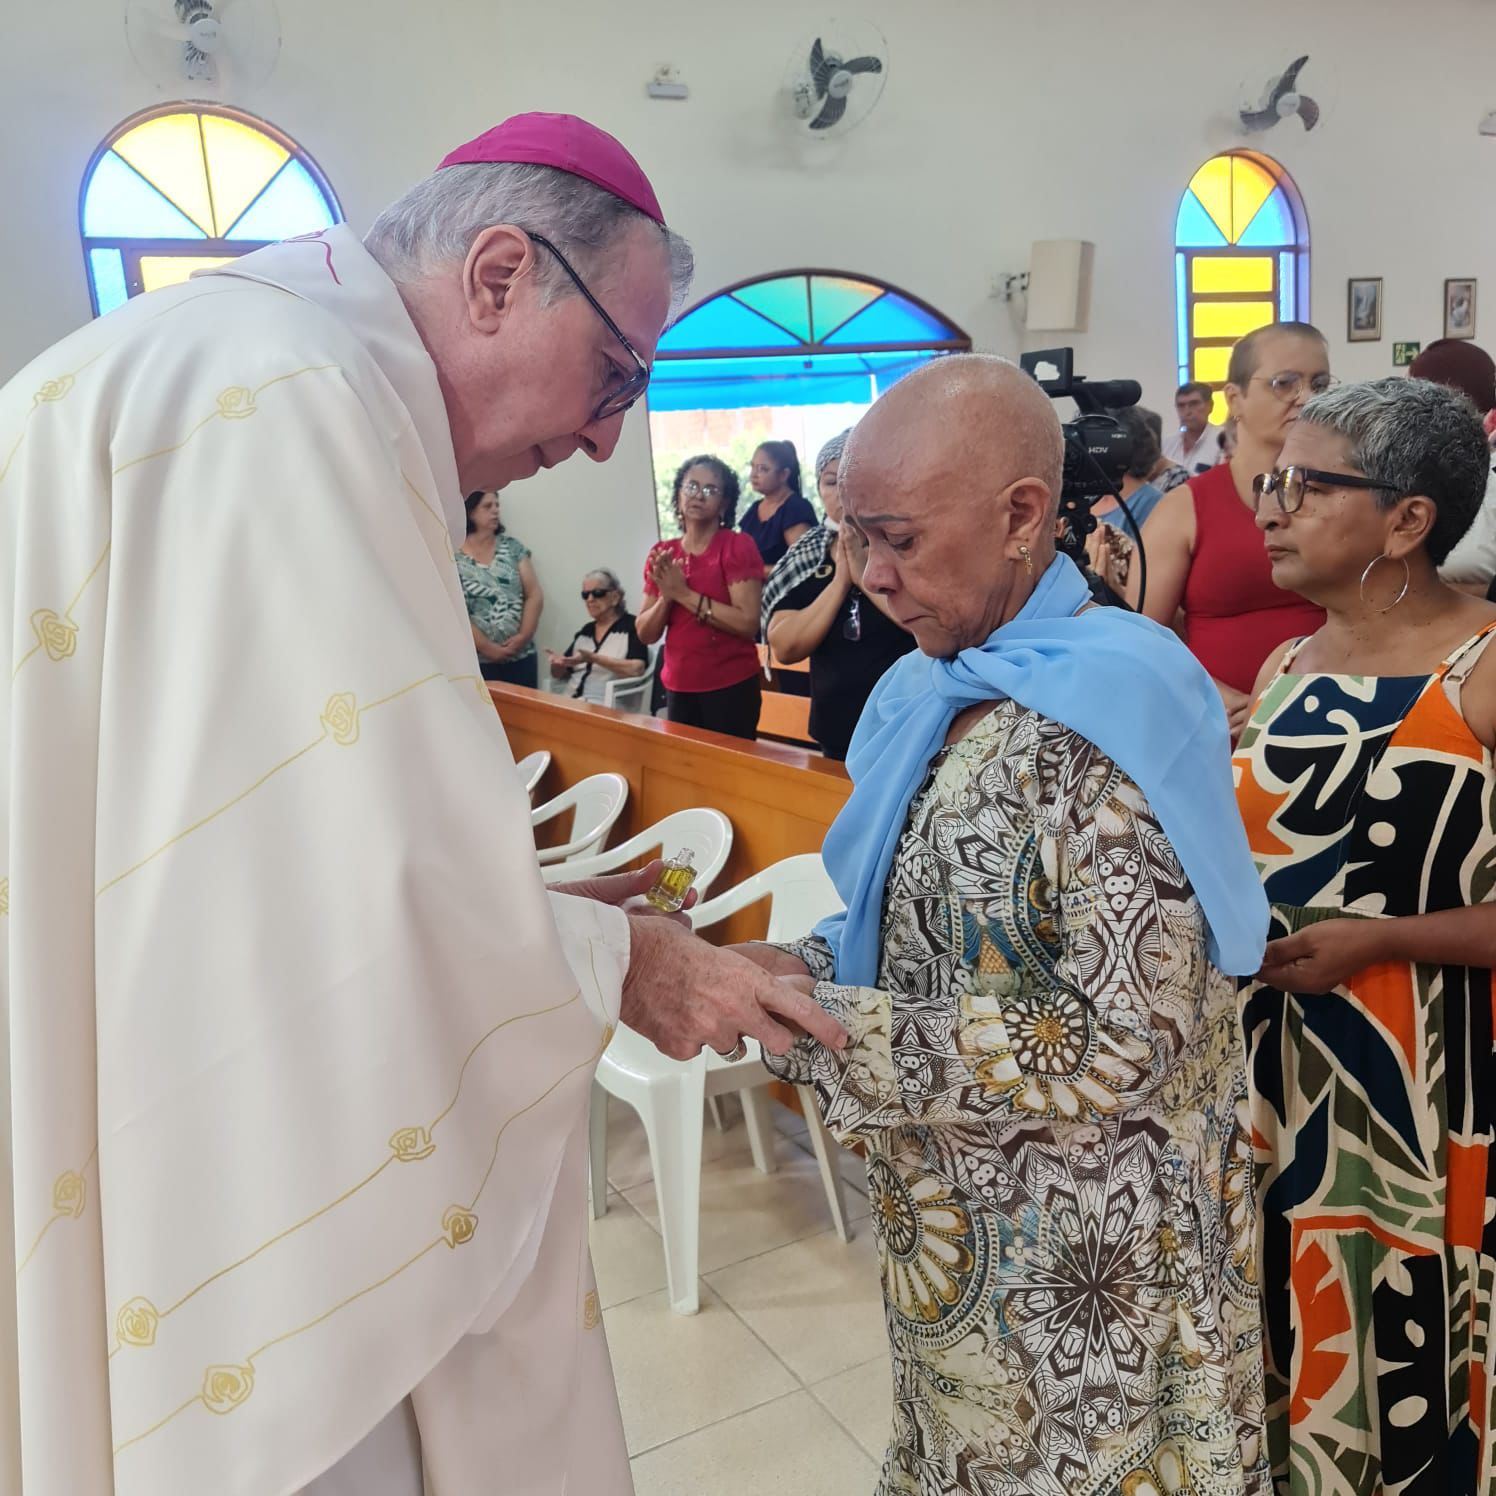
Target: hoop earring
{"x":1407,"y":577}
{"x":1028,"y":559}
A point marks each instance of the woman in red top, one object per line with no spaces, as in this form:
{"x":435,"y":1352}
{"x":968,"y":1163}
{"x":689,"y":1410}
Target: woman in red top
{"x":1205,"y":553}
{"x":703,"y":596}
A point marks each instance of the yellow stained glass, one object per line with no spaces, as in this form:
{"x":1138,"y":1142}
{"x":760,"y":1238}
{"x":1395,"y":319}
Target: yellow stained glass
{"x":157,"y":271}
{"x":1230,"y":319}
{"x":168,"y":153}
{"x":240,"y":162}
{"x":1251,"y":186}
{"x":1231,"y":188}
{"x":1219,"y":409}
{"x":1211,"y":364}
{"x":1212,"y":185}
{"x":1216,"y":273}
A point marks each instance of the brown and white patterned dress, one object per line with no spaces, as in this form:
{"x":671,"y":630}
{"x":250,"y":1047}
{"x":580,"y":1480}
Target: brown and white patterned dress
{"x":1049,"y":1084}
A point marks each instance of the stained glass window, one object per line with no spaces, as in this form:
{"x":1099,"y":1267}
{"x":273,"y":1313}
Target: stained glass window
{"x":178,"y":189}
{"x":801,"y":338}
{"x":807,"y":309}
{"x":1241,"y":261}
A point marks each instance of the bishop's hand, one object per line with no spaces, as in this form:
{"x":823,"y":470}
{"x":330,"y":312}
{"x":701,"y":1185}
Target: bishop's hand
{"x":684,"y":995}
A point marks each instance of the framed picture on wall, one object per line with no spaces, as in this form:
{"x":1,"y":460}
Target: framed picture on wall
{"x":1364,"y":310}
{"x":1459,"y":309}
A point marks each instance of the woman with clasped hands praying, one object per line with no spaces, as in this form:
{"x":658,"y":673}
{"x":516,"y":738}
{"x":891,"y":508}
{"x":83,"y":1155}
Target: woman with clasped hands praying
{"x":702,"y":592}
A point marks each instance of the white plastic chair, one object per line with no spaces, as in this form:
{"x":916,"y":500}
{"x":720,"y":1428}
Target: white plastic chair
{"x":707,"y":833}
{"x":669,"y":1094}
{"x":598,"y":800}
{"x":532,"y":768}
{"x":633,"y":693}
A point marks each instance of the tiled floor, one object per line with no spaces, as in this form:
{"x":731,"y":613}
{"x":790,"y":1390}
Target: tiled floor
{"x":780,"y":1383}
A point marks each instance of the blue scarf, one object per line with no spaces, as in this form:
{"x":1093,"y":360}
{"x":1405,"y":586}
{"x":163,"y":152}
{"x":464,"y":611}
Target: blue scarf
{"x":1115,"y":678}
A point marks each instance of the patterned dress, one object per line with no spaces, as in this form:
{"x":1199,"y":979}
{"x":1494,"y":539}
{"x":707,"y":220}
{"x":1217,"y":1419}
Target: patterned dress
{"x":1048,"y":1081}
{"x":496,"y":593}
{"x":1373,"y":1106}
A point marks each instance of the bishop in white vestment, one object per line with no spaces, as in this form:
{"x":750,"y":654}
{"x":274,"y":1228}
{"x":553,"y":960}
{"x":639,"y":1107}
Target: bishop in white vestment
{"x":297,"y":1050}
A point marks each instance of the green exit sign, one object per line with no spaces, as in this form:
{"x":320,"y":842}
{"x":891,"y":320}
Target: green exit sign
{"x":1403,"y":354}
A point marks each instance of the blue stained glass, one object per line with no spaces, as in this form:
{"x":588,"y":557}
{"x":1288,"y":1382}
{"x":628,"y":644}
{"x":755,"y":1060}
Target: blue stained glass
{"x":121,"y":204}
{"x":106,"y":268}
{"x":1182,"y":308}
{"x":746,"y":383}
{"x":1195,"y":228}
{"x":784,"y":301}
{"x":1271,"y":224}
{"x":723,"y":322}
{"x":292,"y":204}
{"x":892,"y":319}
{"x":1288,"y":287}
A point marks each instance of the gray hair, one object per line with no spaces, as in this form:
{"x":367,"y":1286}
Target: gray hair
{"x":832,"y":452}
{"x":1417,"y":438}
{"x":611,"y":578}
{"x":436,"y":222}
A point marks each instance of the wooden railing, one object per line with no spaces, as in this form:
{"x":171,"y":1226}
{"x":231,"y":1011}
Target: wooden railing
{"x":780,"y":800}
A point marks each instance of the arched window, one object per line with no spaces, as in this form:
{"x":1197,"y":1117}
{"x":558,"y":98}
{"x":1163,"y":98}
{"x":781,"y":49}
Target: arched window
{"x":797,"y":354}
{"x":179,"y":189}
{"x":1241,"y":261}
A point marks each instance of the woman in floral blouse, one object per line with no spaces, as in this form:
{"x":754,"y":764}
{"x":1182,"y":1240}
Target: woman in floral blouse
{"x":503,"y":595}
{"x":1045,"y":1067}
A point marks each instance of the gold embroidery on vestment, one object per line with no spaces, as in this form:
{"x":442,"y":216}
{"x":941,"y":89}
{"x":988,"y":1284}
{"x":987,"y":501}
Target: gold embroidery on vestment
{"x":227,"y":1387}
{"x":459,"y":1226}
{"x":56,"y":633}
{"x":136,"y":1323}
{"x":340,"y":718}
{"x":58,"y":636}
{"x":233,"y":404}
{"x":411,"y":1144}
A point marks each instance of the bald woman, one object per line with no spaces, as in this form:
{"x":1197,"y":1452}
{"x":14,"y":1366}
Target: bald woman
{"x":1048,"y":890}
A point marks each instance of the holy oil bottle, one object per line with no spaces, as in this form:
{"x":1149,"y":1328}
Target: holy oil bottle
{"x":674,"y":883}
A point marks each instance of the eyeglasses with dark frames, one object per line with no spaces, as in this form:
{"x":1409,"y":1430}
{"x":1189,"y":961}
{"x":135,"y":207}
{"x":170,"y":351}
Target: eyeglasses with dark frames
{"x":1288,"y":485}
{"x":634,"y":385}
{"x":595,"y":594}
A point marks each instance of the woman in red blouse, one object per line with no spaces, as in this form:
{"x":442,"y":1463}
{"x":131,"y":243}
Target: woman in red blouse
{"x":702,"y":594}
{"x":1206,"y":560}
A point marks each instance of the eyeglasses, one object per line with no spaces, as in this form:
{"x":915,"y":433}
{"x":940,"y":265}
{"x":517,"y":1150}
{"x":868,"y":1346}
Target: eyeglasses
{"x":1287,"y":386}
{"x":634,"y":384}
{"x":596,"y":594}
{"x":695,"y":490}
{"x":1287,"y":485}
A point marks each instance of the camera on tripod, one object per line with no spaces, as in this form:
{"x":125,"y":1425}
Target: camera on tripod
{"x":1098,"y":448}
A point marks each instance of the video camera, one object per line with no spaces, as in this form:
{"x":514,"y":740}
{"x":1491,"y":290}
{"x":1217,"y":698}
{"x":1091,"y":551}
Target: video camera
{"x":1097,"y":448}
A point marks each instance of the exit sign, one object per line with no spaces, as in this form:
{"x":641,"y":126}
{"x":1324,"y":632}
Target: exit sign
{"x":1403,"y":354}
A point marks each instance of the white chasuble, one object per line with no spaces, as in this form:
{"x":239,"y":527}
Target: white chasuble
{"x":297,"y":1049}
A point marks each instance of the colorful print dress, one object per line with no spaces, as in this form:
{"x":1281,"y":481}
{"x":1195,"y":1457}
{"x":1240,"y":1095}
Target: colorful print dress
{"x":1049,"y":1083}
{"x":1373,"y":1106}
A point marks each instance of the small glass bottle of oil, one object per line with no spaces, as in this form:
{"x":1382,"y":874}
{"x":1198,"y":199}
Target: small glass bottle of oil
{"x":674,"y":883}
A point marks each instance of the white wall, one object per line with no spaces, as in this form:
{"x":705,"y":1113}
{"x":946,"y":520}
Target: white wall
{"x":1003,"y":121}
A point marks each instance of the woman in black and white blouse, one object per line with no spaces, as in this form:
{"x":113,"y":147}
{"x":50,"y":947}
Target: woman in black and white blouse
{"x":606,"y":647}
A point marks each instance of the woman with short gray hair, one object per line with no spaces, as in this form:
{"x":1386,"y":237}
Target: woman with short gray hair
{"x":1366,"y":782}
{"x":606,"y":648}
